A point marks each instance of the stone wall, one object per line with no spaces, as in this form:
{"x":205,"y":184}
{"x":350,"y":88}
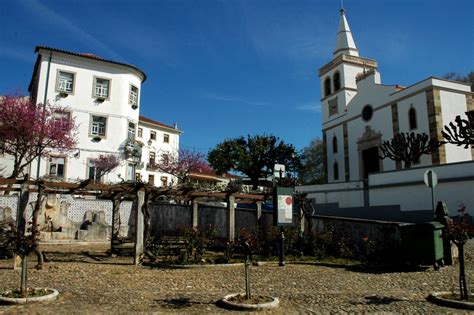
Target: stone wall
{"x":68,"y":214}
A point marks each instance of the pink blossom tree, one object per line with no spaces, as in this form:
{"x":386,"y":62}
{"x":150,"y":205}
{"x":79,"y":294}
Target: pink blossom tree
{"x":181,"y":163}
{"x":28,"y":131}
{"x":104,"y":164}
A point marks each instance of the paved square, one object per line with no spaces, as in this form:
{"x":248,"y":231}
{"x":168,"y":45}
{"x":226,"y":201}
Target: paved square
{"x":91,"y":282}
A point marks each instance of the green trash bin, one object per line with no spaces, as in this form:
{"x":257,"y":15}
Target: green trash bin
{"x":422,"y":243}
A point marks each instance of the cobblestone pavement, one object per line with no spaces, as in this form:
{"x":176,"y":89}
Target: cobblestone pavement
{"x":91,"y":282}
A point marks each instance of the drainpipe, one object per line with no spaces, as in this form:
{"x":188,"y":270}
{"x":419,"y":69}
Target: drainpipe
{"x":44,"y":107}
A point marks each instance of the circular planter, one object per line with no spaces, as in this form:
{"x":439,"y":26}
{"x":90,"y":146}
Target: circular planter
{"x":228,"y":304}
{"x":34,"y":299}
{"x":442,"y":298}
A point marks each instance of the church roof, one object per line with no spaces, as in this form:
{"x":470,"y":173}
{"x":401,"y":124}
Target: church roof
{"x":344,"y":42}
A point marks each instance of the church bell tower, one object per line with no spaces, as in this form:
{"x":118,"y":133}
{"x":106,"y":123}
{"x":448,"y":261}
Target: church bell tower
{"x":338,"y":77}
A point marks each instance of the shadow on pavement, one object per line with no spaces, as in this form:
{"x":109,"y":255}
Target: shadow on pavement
{"x":178,"y":303}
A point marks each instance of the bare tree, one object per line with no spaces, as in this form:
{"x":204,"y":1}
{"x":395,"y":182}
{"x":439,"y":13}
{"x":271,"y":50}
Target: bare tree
{"x":408,"y":147}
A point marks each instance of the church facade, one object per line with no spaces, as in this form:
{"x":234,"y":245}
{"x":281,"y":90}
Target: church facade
{"x":359,"y":113}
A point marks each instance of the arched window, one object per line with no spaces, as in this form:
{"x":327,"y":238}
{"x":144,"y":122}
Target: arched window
{"x":336,"y":171}
{"x":327,"y":86}
{"x":334,"y":144}
{"x":337,"y":81}
{"x":412,"y":118}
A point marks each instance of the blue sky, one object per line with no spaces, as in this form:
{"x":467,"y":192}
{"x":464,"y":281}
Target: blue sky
{"x":225,"y":68}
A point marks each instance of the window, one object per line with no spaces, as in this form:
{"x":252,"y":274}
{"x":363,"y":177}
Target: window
{"x":164,"y":181}
{"x":334,"y":144}
{"x":152,"y":135}
{"x":91,"y":171}
{"x":65,"y":82}
{"x":412,"y":118}
{"x":336,"y":171}
{"x":63,"y":117}
{"x":130,"y":172}
{"x":133,"y":96}
{"x":131,"y":131}
{"x":327,"y":87}
{"x":138,"y":177}
{"x":98,"y":126}
{"x":337,"y":81}
{"x":140,"y":132}
{"x":56,"y":166}
{"x":152,"y":158}
{"x":101,"y":87}
{"x":166,"y":138}
{"x":367,"y":113}
{"x":151,"y":179}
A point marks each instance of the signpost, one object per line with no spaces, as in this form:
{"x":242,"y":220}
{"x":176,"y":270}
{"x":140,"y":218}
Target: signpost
{"x":283,"y":215}
{"x":431,"y":180}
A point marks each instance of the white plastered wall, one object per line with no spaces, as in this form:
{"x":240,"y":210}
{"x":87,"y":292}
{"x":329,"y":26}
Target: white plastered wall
{"x":453,"y":104}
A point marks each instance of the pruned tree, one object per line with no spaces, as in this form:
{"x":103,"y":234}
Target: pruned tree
{"x":408,"y":147}
{"x":28,"y":131}
{"x":457,"y":232}
{"x":104,"y":164}
{"x":180,"y":163}
{"x":312,"y":163}
{"x":461,"y":132}
{"x":253,"y":156}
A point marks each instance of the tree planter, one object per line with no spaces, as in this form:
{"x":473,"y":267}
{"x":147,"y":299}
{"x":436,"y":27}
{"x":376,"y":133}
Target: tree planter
{"x":50,"y":295}
{"x":447,"y":299}
{"x":237,"y":301}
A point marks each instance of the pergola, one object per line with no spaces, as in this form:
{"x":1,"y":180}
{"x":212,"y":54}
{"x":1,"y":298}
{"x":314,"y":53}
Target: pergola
{"x":142,"y":194}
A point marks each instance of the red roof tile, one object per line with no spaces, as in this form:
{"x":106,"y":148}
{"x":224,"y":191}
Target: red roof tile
{"x":90,"y":56}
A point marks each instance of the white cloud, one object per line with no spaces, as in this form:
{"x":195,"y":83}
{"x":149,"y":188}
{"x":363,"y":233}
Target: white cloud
{"x":314,"y":107}
{"x":222,"y":98}
{"x":45,"y":13}
{"x":16,"y":53}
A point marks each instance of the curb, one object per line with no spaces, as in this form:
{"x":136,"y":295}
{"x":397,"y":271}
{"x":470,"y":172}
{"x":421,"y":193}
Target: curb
{"x":172,"y":266}
{"x":439,"y":298}
{"x":44,"y":298}
{"x":225,"y":303}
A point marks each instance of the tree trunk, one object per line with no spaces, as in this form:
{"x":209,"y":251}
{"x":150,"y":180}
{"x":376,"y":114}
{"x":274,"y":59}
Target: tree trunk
{"x":462,"y":273}
{"x":147,"y":228}
{"x":254,"y":182}
{"x":24,"y":276}
{"x":35,"y":226}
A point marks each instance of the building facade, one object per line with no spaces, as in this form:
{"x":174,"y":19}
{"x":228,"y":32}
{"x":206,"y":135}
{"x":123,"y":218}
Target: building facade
{"x":103,"y":97}
{"x":359,"y":113}
{"x":156,"y":138}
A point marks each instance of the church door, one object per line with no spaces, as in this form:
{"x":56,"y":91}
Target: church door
{"x":371,"y":162}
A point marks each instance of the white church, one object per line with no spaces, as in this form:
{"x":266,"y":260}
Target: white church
{"x":359,"y":113}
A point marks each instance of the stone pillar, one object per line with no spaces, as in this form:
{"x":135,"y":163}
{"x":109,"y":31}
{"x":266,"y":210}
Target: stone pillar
{"x":139,"y":227}
{"x":231,"y":217}
{"x":259,"y":212}
{"x":195,"y":213}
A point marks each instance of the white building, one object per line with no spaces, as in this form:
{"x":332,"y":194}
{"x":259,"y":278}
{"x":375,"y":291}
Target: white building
{"x":156,"y":138}
{"x":359,"y":113}
{"x":103,"y":96}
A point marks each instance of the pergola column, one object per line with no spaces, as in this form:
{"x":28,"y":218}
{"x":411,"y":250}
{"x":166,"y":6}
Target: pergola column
{"x":139,"y":227}
{"x":195,"y":213}
{"x":116,"y":201}
{"x":231,"y":217}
